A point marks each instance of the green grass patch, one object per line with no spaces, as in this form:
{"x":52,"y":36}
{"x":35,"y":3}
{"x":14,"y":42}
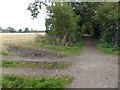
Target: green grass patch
{"x":118,"y":62}
{"x":61,"y":49}
{"x":5,"y":53}
{"x":0,"y":80}
{"x":33,"y":64}
{"x":106,"y":48}
{"x":16,"y":81}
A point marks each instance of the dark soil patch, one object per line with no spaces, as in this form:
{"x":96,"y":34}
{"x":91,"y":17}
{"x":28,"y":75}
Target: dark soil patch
{"x":32,"y":52}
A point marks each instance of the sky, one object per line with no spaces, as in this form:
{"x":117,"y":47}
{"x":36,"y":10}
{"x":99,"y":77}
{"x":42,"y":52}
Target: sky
{"x":14,"y":13}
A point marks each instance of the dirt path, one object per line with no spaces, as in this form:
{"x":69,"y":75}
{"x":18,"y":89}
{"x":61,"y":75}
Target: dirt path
{"x":93,"y":69}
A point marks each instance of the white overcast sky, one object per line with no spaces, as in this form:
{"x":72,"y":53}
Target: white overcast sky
{"x":14,"y":13}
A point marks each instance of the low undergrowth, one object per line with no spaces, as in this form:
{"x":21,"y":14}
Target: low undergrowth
{"x":17,"y":81}
{"x":33,"y":64}
{"x":62,"y":50}
{"x":4,"y":53}
{"x":106,"y":48}
{"x":118,"y":62}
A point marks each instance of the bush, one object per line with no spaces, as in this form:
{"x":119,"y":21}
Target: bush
{"x":106,"y":47}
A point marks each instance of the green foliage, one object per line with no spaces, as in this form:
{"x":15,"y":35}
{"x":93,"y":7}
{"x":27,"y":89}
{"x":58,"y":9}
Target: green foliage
{"x":118,"y":62}
{"x":32,"y":64}
{"x":85,"y":11}
{"x":63,"y":50}
{"x":61,"y":26}
{"x":4,"y":53}
{"x":26,"y":30}
{"x":106,"y":47}
{"x":4,"y":31}
{"x":15,"y":81}
{"x":11,"y":29}
{"x":100,"y":19}
{"x":107,"y":18}
{"x":83,"y":29}
{"x":20,"y":31}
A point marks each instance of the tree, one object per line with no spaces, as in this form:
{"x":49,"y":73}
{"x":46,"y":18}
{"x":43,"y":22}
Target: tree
{"x":1,"y":30}
{"x":20,"y":31}
{"x":11,"y":29}
{"x":26,"y":30}
{"x":85,"y":11}
{"x":107,"y":18}
{"x":61,"y":24}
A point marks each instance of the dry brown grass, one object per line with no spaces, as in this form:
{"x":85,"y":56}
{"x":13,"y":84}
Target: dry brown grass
{"x":17,"y":39}
{"x":8,"y":38}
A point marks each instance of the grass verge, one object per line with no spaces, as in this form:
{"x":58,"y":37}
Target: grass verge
{"x":33,"y":64}
{"x":16,"y":81}
{"x":65,"y":50}
{"x":118,"y":62}
{"x":62,"y":50}
{"x":4,"y":52}
{"x":106,"y":48}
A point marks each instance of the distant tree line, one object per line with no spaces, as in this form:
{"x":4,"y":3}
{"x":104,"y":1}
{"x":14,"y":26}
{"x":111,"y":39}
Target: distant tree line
{"x":12,"y":30}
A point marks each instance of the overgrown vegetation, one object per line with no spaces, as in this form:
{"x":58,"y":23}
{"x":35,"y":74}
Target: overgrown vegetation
{"x":106,"y":48}
{"x":61,"y":25}
{"x":118,"y":62}
{"x":64,"y":50}
{"x":15,"y":81}
{"x":5,"y":53}
{"x":95,"y":18}
{"x":107,"y":18}
{"x":33,"y":64}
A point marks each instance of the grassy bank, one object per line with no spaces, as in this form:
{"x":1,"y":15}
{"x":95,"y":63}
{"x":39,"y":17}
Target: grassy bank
{"x":33,"y":64}
{"x":16,"y":81}
{"x":65,"y":50}
{"x":106,"y":48}
{"x":62,"y":50}
{"x":5,"y":53}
